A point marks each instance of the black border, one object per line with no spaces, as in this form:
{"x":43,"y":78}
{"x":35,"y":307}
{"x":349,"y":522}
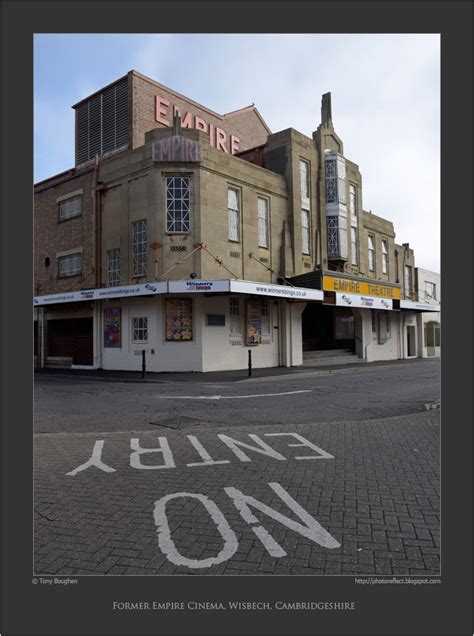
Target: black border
{"x":86,"y":607}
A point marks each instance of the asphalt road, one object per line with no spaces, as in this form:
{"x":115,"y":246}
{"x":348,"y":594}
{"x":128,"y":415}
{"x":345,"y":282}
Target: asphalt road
{"x":327,"y":474}
{"x":70,"y":404}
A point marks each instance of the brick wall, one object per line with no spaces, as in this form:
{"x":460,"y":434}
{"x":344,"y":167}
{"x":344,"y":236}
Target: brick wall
{"x":52,"y":237}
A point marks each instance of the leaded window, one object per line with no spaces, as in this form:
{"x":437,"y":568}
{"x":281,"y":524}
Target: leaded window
{"x":305,"y":231}
{"x":140,"y":329}
{"x":139,"y":249}
{"x":177,"y":204}
{"x":371,"y":253}
{"x":384,"y":256}
{"x":262,"y":222}
{"x":331,"y":181}
{"x":333,"y":236}
{"x":70,"y":208}
{"x":70,"y":265}
{"x":113,"y":267}
{"x":233,"y":206}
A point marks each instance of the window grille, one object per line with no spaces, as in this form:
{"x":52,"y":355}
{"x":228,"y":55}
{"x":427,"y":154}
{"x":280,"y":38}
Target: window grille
{"x":384,"y":257}
{"x":113,"y":267}
{"x":70,"y":265}
{"x":262,"y":222}
{"x":371,"y":253}
{"x":139,"y":249}
{"x":177,"y":204}
{"x":333,"y":236}
{"x":331,"y":181}
{"x":234,"y":214}
{"x":70,"y":208}
{"x":140,"y":329}
{"x":305,"y":231}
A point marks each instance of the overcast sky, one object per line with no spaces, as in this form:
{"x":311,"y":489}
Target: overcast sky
{"x":385,"y":102}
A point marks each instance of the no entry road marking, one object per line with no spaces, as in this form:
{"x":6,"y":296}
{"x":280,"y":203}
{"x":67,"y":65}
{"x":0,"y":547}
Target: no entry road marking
{"x":227,"y":397}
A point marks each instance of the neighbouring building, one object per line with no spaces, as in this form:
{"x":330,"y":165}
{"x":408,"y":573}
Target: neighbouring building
{"x":428,"y":292}
{"x":197,"y":237}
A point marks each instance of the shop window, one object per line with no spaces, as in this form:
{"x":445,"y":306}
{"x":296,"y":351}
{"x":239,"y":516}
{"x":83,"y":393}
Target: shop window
{"x":140,"y":329}
{"x":235,"y":317}
{"x":113,"y":267}
{"x":70,"y":208}
{"x":233,"y":206}
{"x":373,"y":316}
{"x":371,"y":246}
{"x":112,"y":327}
{"x":139,"y":249}
{"x":262,"y":222}
{"x":305,"y":231}
{"x":70,"y":265}
{"x":384,"y":256}
{"x":384,"y":326}
{"x":430,"y":290}
{"x":432,"y":334}
{"x":265,"y":308}
{"x":179,"y":319}
{"x":177,"y":204}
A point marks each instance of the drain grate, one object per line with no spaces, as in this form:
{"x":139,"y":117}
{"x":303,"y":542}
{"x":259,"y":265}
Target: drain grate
{"x":178,"y":422}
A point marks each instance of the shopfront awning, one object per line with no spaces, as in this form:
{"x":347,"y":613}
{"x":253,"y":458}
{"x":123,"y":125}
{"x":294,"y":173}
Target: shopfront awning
{"x":193,"y":286}
{"x":416,"y":306}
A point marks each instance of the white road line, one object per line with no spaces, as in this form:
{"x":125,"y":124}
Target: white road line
{"x":227,"y":397}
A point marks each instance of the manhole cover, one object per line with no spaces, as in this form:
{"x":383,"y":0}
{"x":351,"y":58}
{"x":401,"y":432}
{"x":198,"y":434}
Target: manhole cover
{"x":178,"y":422}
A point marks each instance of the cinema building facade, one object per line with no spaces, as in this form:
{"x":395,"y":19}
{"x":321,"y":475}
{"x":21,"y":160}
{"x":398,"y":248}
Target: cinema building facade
{"x":197,"y":237}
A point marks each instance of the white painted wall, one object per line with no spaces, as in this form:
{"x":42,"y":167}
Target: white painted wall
{"x":422,"y":319}
{"x":373,"y":351}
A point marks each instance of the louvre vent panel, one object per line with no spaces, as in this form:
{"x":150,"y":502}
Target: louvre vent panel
{"x":102,"y":123}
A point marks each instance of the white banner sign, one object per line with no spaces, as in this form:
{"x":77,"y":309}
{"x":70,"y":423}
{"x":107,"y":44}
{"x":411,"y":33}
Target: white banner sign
{"x":410,"y":304}
{"x":198,"y":286}
{"x":102,"y":293}
{"x":280,"y":291}
{"x":371,"y":302}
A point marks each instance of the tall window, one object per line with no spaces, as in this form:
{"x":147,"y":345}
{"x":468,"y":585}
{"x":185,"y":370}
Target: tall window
{"x":139,"y":248}
{"x":69,"y":265}
{"x":430,"y":290}
{"x":262,"y":222}
{"x":113,"y":267}
{"x":408,"y":280}
{"x":304,"y":180}
{"x":354,"y":245}
{"x":352,"y":200}
{"x":70,"y":208}
{"x":140,"y":329}
{"x":233,"y":205}
{"x":331,"y":180}
{"x":333,"y":235}
{"x":305,"y":231}
{"x":177,"y":204}
{"x":371,"y":253}
{"x":235,"y":316}
{"x":384,"y":256}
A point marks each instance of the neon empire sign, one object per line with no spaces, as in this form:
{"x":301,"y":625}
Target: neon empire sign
{"x":218,"y":137}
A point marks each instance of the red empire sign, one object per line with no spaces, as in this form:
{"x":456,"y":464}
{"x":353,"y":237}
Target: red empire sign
{"x":218,"y":137}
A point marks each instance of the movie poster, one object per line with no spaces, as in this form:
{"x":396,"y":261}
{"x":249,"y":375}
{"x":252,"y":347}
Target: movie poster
{"x":113,"y":328}
{"x":179,"y":319}
{"x":254,"y":322}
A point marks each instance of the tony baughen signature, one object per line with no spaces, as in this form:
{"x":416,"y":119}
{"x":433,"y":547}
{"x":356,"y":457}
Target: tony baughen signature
{"x":231,"y":605}
{"x":41,"y":580}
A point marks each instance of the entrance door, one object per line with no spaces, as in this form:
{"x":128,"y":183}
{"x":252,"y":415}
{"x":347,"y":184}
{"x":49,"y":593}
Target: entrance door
{"x":411,"y":341}
{"x":71,"y":338}
{"x":326,"y":327}
{"x":83,"y":352}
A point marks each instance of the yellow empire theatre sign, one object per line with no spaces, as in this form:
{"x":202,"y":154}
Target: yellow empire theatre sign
{"x":331,"y":283}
